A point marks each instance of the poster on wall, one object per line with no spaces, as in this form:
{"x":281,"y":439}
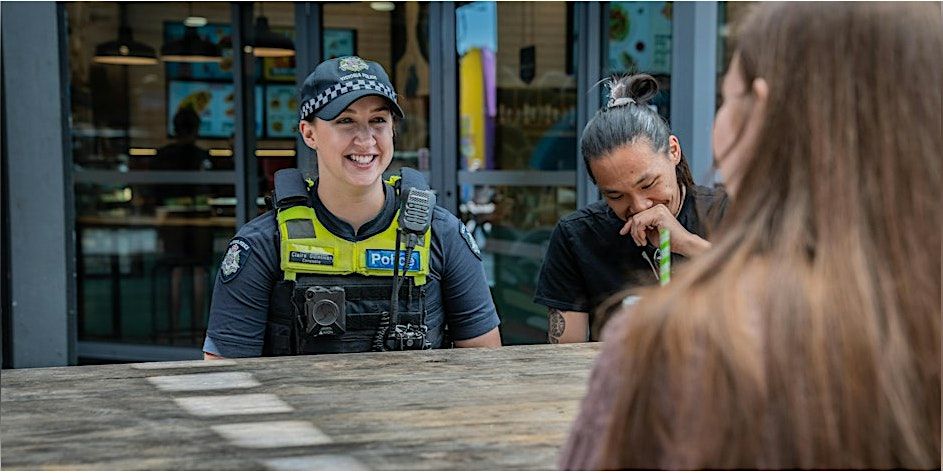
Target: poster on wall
{"x":339,"y":43}
{"x":281,"y":111}
{"x":640,"y":37}
{"x":215,"y":104}
{"x":217,"y":33}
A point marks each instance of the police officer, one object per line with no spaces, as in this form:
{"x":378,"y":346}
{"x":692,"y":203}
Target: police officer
{"x":316,"y":274}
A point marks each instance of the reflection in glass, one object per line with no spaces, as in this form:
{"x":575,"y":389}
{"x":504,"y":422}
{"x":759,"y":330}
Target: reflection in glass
{"x":512,"y":226}
{"x":398,"y":40}
{"x":146,"y":252}
{"x":146,"y":257}
{"x":639,"y":41}
{"x":517,"y":89}
{"x":517,"y":125}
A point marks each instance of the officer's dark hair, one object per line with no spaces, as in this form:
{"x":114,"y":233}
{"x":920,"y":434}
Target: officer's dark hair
{"x":627,"y":118}
{"x":186,"y":122}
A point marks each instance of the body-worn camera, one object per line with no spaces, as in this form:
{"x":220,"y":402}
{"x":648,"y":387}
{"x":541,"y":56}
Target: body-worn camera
{"x":407,"y":337}
{"x":325,"y":312}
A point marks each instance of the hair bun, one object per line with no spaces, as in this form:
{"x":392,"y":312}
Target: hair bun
{"x":638,"y":87}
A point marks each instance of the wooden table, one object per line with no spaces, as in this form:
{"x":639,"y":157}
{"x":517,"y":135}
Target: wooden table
{"x":508,"y":408}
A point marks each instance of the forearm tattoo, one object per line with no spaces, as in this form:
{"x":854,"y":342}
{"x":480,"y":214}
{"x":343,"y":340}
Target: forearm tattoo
{"x":556,"y":325}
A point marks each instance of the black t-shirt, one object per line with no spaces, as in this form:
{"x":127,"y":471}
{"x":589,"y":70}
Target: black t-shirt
{"x":587,"y":260}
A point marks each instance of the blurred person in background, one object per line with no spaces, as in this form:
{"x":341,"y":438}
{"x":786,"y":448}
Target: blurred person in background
{"x":183,"y":247}
{"x":808,"y":336}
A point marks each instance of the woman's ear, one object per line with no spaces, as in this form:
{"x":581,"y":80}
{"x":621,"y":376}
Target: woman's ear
{"x":760,"y":89}
{"x":674,"y":149}
{"x":308,"y":134}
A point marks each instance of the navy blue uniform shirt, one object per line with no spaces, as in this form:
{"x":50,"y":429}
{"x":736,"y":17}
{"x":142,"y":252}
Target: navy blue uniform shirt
{"x":457,"y":290}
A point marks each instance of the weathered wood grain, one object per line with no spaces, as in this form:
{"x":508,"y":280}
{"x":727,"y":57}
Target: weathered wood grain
{"x":472,"y":409}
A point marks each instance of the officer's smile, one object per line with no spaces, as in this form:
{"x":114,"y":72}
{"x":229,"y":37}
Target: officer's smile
{"x":362,"y":160}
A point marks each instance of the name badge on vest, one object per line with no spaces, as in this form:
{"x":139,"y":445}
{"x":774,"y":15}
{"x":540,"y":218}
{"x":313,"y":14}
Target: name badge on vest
{"x":306,"y":257}
{"x":383,"y":259}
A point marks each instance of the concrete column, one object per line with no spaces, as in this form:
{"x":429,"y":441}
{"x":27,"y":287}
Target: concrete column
{"x":693,"y":83}
{"x":38,"y":181}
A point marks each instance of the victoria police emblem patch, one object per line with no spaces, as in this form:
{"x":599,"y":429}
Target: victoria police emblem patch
{"x":235,"y":259}
{"x":352,"y":64}
{"x":472,"y":244}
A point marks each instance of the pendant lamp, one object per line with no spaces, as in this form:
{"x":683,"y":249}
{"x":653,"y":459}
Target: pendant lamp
{"x":267,"y":43}
{"x":124,"y":50}
{"x":192,"y":47}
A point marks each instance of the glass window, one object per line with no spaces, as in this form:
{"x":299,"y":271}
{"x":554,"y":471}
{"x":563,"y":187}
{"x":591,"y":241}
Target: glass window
{"x":145,"y":277}
{"x":639,"y":41}
{"x":152,"y":139}
{"x":276,"y":93}
{"x":512,"y":226}
{"x":517,"y":88}
{"x":517,"y":144}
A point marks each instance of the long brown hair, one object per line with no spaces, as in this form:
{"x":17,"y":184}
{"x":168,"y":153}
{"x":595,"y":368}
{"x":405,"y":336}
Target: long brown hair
{"x":809,"y":335}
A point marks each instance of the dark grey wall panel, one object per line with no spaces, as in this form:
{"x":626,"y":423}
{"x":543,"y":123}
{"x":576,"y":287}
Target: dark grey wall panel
{"x":42,"y":238}
{"x":694,"y":83}
{"x":307,"y":56}
{"x":443,"y":104}
{"x":591,"y":20}
{"x":243,"y":66}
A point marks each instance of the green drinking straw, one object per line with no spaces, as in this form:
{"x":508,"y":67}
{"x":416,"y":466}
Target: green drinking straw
{"x":664,"y":250}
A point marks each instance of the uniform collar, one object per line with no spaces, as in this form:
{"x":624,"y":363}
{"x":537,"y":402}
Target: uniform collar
{"x":343,"y":229}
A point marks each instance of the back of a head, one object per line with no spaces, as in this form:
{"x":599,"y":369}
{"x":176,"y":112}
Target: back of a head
{"x":808,"y":337}
{"x":186,"y":122}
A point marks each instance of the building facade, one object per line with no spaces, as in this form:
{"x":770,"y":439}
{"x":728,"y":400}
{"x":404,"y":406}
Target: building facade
{"x":137,"y":137}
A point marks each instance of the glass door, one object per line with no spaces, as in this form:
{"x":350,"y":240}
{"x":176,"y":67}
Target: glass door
{"x":517,"y":143}
{"x":153,"y":172}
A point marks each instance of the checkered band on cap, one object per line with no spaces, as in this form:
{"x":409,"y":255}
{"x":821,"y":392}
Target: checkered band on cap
{"x":341,"y":88}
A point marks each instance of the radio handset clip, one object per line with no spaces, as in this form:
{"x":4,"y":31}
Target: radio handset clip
{"x":416,"y":204}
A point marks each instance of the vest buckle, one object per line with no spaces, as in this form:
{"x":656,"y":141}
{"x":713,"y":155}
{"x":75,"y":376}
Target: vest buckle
{"x":408,"y":337}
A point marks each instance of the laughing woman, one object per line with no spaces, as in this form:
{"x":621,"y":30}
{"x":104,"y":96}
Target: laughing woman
{"x":315,"y":275}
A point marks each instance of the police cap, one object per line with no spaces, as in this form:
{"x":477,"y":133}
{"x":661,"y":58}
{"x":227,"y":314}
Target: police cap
{"x":337,"y":83}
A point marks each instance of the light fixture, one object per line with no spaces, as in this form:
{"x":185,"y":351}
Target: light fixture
{"x":124,"y":50}
{"x":192,"y":47}
{"x":272,"y":153}
{"x":226,"y":153}
{"x":194,"y":21}
{"x":267,"y":43}
{"x":383,"y":6}
{"x":142,"y":151}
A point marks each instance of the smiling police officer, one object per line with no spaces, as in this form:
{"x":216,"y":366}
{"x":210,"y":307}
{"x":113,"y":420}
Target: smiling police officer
{"x":317,"y":273}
